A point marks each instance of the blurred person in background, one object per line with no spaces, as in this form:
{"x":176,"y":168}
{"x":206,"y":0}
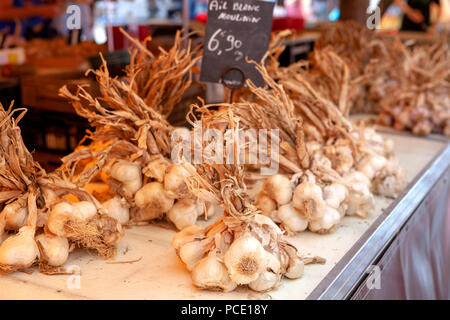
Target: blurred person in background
{"x":417,"y":15}
{"x":33,"y":17}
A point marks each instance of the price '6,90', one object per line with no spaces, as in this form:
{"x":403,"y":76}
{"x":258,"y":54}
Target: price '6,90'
{"x":231,"y":44}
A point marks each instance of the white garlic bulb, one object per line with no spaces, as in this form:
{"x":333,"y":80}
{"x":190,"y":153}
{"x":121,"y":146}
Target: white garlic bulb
{"x":192,"y":252}
{"x":117,"y":208}
{"x":210,"y":273}
{"x":59,"y":216}
{"x":266,"y":204}
{"x":153,"y":201}
{"x":130,"y":174}
{"x":292,"y":219}
{"x":184,"y":236}
{"x":335,"y":194}
{"x":371,"y":165}
{"x":330,"y":218}
{"x":266,"y":281}
{"x":279,"y":188}
{"x":55,"y":249}
{"x":184,"y":213}
{"x":360,"y":200}
{"x":84,"y":210}
{"x":64,"y":212}
{"x":15,"y":215}
{"x":19,"y":250}
{"x":174,"y":181}
{"x":245,"y":260}
{"x":308,"y":200}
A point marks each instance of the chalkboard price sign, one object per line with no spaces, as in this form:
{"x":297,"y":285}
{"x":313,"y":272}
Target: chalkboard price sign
{"x":236,"y":29}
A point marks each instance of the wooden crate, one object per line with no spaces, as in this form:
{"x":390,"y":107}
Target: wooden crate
{"x":41,"y":91}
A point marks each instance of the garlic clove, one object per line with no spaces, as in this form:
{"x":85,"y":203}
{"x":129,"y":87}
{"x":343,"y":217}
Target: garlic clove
{"x":292,"y":219}
{"x":58,"y":217}
{"x":174,"y":181}
{"x":263,"y":220}
{"x":192,"y":252}
{"x":125,"y":171}
{"x":153,"y":201}
{"x":15,"y":215}
{"x":209,"y":273}
{"x":184,"y":236}
{"x":308,"y":200}
{"x":117,"y":208}
{"x":335,"y":194}
{"x":245,"y":260}
{"x":55,"y":249}
{"x":183,"y":214}
{"x":279,"y":188}
{"x":130,"y":188}
{"x":84,"y":210}
{"x":266,"y":204}
{"x":295,"y":269}
{"x":330,"y":218}
{"x":266,"y":281}
{"x":19,"y":250}
{"x":130,"y":174}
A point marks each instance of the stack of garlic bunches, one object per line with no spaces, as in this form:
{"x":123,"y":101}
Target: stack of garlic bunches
{"x":243,"y":247}
{"x":328,"y":167}
{"x":130,"y":149}
{"x":406,"y":84}
{"x":38,"y":222}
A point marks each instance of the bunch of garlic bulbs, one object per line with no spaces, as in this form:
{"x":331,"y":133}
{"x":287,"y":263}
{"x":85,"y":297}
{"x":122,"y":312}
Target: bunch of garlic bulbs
{"x":38,"y":222}
{"x":243,"y":247}
{"x":165,"y":194}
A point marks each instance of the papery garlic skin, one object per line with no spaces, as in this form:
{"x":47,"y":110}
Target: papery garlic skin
{"x":184,"y":213}
{"x":245,"y":260}
{"x":266,"y":204}
{"x":174,"y":181}
{"x":209,"y":273}
{"x":129,"y":174}
{"x":56,"y":249}
{"x":335,"y":196}
{"x":153,"y":201}
{"x":84,"y":210}
{"x":191,"y":253}
{"x":64,"y":212}
{"x":184,"y":236}
{"x":308,"y":199}
{"x":292,"y":219}
{"x":360,"y":200}
{"x":15,"y":215}
{"x":117,"y":208}
{"x":330,"y":218}
{"x":295,"y":269}
{"x":372,"y":164}
{"x":19,"y":250}
{"x":279,"y":188}
{"x":59,"y":216}
{"x":266,"y":281}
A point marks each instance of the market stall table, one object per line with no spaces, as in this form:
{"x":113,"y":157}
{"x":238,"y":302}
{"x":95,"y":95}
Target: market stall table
{"x":146,"y":266}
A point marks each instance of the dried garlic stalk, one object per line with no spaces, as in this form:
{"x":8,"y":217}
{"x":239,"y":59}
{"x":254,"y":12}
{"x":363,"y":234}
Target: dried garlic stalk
{"x":130,"y":149}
